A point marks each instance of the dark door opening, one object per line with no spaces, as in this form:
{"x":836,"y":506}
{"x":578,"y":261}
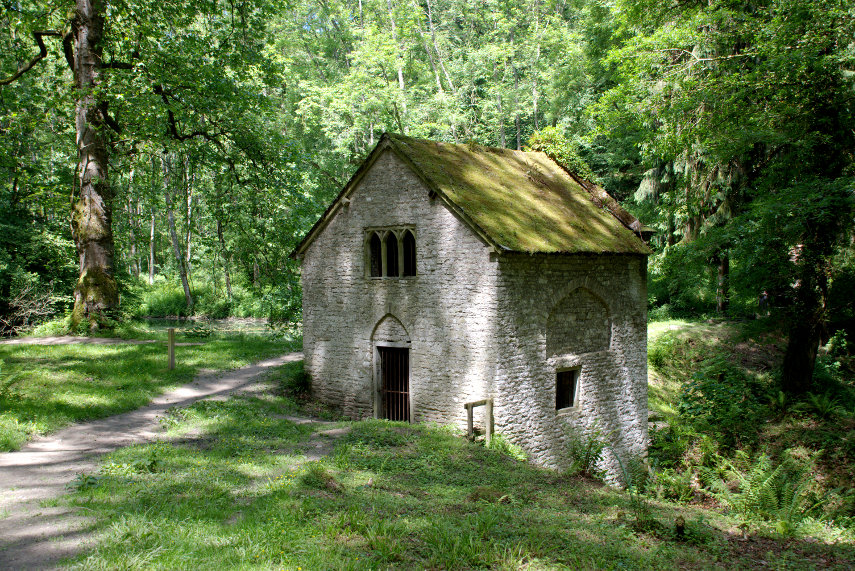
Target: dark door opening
{"x":395,"y":382}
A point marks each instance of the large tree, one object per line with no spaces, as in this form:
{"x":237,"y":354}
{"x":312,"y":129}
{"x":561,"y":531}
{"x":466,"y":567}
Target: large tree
{"x":143,"y":72}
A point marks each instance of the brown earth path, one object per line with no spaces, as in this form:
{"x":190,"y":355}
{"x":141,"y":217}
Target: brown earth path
{"x":37,"y":537}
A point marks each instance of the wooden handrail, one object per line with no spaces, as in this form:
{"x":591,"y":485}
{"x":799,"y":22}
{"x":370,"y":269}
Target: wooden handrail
{"x":470,"y":429}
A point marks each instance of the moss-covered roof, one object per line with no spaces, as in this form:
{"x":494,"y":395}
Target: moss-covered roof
{"x":521,"y":201}
{"x":516,"y":201}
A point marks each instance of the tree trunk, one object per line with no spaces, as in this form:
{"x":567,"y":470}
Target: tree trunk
{"x":722,"y":292}
{"x":517,"y":109}
{"x":96,"y":292}
{"x":398,"y":59}
{"x":188,"y":187}
{"x":133,"y":223}
{"x":806,"y":326}
{"x":176,"y":243}
{"x":800,"y":356}
{"x":226,"y":259}
{"x":151,"y":260}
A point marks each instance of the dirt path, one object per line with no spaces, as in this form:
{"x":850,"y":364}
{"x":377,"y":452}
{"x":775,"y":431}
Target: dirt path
{"x":35,"y":537}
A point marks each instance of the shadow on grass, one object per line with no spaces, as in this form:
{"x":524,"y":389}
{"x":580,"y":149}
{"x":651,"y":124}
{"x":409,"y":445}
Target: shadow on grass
{"x":58,"y":385}
{"x":236,"y":490}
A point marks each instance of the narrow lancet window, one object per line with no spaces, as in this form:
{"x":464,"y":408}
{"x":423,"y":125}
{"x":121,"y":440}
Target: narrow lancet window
{"x":391,"y":255}
{"x":375,"y":254}
{"x":409,"y":242}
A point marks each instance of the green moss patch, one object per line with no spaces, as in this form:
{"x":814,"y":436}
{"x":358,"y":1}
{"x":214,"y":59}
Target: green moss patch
{"x":523,"y":201}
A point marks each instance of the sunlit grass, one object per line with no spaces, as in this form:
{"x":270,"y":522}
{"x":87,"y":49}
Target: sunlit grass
{"x":232,"y":488}
{"x":60,"y":384}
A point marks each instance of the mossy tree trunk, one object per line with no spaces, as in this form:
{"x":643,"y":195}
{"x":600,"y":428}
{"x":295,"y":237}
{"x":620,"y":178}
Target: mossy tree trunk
{"x":96,"y":293}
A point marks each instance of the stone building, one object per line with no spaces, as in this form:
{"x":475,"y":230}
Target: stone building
{"x":444,"y":274}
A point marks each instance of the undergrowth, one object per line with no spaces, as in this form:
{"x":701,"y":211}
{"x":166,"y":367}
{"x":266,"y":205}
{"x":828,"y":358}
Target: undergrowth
{"x":724,"y":430}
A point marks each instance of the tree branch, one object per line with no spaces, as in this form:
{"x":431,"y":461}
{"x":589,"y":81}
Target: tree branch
{"x":38,"y":35}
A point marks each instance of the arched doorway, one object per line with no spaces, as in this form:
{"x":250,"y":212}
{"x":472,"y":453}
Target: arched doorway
{"x":392,"y":370}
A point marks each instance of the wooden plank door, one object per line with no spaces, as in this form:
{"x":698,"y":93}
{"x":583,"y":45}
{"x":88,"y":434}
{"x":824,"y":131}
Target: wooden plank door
{"x":395,"y":379}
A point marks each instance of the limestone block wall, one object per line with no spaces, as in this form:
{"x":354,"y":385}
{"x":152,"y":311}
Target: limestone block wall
{"x":478,"y":325}
{"x":580,"y":312}
{"x":446,"y":313}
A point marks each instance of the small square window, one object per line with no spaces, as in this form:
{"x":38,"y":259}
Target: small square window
{"x":566,"y":389}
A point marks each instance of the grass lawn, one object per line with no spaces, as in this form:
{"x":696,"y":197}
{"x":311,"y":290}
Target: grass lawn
{"x":44,"y":388}
{"x":231,"y":487}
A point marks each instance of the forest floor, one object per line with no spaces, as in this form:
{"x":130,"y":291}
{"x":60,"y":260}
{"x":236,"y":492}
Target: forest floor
{"x":37,"y":535}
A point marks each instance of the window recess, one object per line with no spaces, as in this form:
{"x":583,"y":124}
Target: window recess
{"x":566,"y":389}
{"x":390,"y":252}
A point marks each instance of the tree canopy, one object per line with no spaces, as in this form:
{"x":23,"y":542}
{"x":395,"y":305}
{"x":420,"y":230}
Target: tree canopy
{"x":197,"y":142}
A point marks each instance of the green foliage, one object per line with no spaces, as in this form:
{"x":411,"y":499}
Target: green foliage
{"x":723,"y":401}
{"x":823,"y":406}
{"x":70,"y":383}
{"x":662,"y":350}
{"x":671,"y":484}
{"x":501,"y":444}
{"x":199,"y":331}
{"x":553,"y":142}
{"x":780,"y":403}
{"x":317,"y":477}
{"x":760,"y":489}
{"x":295,"y":382}
{"x":838,"y":345}
{"x":233,"y":483}
{"x":586,"y":450}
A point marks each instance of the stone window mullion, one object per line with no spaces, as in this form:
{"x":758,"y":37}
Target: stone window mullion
{"x":383,"y":261}
{"x":400,"y":237}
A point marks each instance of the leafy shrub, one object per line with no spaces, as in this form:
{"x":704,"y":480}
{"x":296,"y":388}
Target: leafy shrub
{"x":295,"y":382}
{"x":722,"y":401}
{"x":671,"y":484}
{"x":318,"y":477}
{"x":162,"y":300}
{"x":669,"y":443}
{"x":838,"y":346}
{"x":661,"y":351}
{"x":780,"y":403}
{"x":199,"y":331}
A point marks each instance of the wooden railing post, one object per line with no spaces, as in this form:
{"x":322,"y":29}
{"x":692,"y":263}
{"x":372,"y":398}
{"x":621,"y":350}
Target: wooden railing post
{"x":470,"y":413}
{"x":489,"y":406}
{"x":171,"y":347}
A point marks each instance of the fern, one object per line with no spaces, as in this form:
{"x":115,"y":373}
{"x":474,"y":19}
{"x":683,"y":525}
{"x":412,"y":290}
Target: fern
{"x":775,"y":493}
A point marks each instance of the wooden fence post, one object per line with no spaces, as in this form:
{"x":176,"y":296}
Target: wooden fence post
{"x":171,"y":347}
{"x":489,"y":406}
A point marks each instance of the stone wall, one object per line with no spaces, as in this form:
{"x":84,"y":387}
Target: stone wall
{"x":580,"y":311}
{"x":446,"y":312}
{"x":477,"y":324}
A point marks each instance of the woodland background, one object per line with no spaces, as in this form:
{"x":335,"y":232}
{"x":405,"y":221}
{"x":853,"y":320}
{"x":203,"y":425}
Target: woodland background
{"x":228,"y":126}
